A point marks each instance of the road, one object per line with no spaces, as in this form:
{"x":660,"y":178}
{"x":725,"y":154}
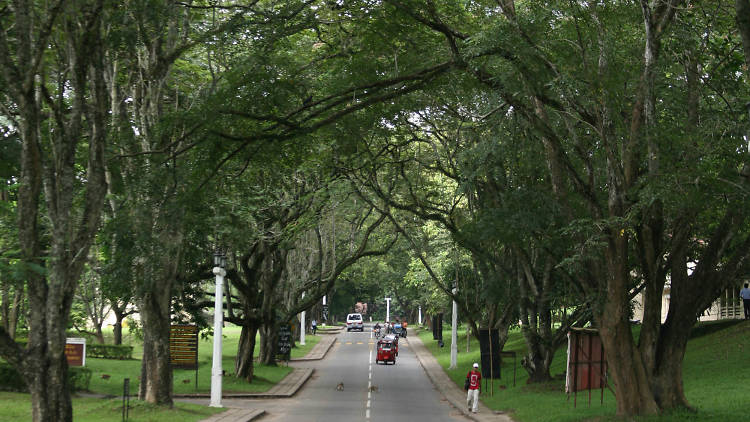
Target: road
{"x":372,"y":392}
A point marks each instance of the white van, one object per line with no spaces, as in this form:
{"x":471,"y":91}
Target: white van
{"x":354,"y":322}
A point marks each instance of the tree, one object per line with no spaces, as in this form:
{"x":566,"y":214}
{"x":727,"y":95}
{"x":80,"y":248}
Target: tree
{"x":53,"y":93}
{"x":93,"y":304}
{"x":612,"y":161}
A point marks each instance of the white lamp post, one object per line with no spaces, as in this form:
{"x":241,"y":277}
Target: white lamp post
{"x":419,"y":321}
{"x":454,"y":333}
{"x":302,"y":325}
{"x":325,"y":311}
{"x":216,"y":369}
{"x":387,"y":309}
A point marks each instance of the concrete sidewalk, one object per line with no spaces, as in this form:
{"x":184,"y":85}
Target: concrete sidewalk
{"x":452,"y":392}
{"x":236,"y":415}
{"x":287,"y":387}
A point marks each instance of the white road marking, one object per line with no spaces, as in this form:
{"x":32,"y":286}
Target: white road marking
{"x":369,"y":385}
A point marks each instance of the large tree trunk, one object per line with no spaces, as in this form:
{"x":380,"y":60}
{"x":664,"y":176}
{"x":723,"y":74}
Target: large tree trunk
{"x":269,"y":335}
{"x":53,"y":252}
{"x":11,"y":309}
{"x":666,"y":379}
{"x":44,"y":366}
{"x":537,"y":361}
{"x":632,"y":386}
{"x":156,"y":370}
{"x":244,"y":362}
{"x":119,"y":317}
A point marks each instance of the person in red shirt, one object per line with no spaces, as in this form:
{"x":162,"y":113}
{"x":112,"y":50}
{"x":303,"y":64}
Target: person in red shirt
{"x":474,"y":378}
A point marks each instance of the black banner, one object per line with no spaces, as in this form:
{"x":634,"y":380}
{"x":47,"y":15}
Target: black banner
{"x":437,"y":327}
{"x":489,"y":348}
{"x":284,"y":346}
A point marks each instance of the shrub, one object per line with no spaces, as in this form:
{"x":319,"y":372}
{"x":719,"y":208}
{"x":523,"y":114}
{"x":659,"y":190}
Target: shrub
{"x":109,"y":351}
{"x":79,"y":378}
{"x":10,"y":380}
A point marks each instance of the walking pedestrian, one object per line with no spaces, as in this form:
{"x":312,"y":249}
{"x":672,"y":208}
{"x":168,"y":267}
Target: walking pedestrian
{"x":314,"y":326}
{"x":745,"y":295}
{"x":474,"y":379}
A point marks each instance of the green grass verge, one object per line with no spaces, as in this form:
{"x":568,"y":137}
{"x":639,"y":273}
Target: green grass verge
{"x":108,"y":377}
{"x":715,"y":373}
{"x":184,"y":379}
{"x":16,"y":408}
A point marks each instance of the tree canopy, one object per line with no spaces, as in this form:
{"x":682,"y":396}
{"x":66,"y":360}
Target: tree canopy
{"x":550,"y":159}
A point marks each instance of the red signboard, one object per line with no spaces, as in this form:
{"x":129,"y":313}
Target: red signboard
{"x":75,"y":351}
{"x":587,"y":363}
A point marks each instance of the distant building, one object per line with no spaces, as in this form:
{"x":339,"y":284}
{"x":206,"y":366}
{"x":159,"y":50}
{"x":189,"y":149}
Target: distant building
{"x":727,"y":306}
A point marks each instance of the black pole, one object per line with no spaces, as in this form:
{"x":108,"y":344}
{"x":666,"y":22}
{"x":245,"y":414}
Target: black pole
{"x":125,"y":399}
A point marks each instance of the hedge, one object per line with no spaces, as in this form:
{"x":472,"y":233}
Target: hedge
{"x":109,"y":351}
{"x":106,"y":351}
{"x":79,"y":379}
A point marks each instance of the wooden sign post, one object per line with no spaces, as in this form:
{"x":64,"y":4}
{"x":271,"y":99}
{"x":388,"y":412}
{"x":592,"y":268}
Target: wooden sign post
{"x":183,"y":348}
{"x":75,"y":351}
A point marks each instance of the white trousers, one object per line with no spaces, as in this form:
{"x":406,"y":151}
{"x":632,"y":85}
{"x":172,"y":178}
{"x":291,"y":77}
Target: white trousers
{"x":472,"y":400}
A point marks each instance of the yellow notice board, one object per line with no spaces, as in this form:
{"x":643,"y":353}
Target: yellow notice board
{"x":183,"y":346}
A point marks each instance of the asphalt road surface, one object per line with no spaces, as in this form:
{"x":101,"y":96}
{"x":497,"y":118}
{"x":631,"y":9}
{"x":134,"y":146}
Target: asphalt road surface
{"x":372,"y":392}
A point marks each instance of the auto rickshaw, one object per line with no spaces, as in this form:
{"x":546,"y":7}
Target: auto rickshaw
{"x":386,"y":352}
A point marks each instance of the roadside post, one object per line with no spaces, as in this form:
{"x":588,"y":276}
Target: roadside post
{"x":220,"y":261}
{"x":125,"y":399}
{"x":387,"y":309}
{"x":302,"y":325}
{"x":454,"y":333}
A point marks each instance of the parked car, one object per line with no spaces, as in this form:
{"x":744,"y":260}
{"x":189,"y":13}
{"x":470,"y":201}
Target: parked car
{"x":354,"y":322}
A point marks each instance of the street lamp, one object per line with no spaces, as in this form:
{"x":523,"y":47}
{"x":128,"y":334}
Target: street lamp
{"x":220,"y":263}
{"x":454,"y":332}
{"x":387,"y":309}
{"x":302,"y":325}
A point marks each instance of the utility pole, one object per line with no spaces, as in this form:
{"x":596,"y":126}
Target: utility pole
{"x":216,"y":370}
{"x":454,"y":320}
{"x":302,"y":325}
{"x":454,"y":333}
{"x":387,"y":309}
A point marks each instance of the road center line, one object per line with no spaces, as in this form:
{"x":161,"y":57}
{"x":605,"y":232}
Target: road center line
{"x":369,"y":383}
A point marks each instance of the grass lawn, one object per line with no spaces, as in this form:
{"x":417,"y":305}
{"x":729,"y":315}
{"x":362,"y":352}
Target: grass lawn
{"x":715,"y":372}
{"x":184,"y":379}
{"x":16,"y":407}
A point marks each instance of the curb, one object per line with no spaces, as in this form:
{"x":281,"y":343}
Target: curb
{"x":236,"y":415}
{"x":322,"y":354}
{"x":332,"y":330}
{"x":304,"y":374}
